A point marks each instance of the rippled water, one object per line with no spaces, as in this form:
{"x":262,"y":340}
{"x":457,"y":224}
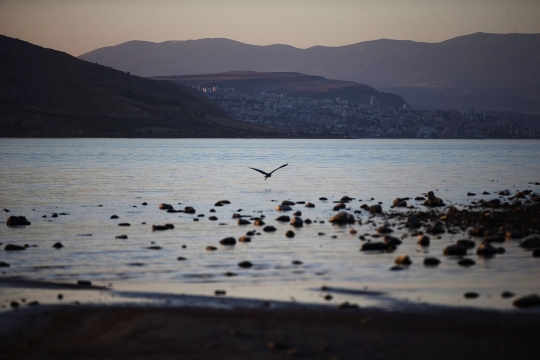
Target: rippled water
{"x":74,"y":176}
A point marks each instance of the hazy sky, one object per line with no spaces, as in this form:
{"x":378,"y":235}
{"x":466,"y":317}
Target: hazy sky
{"x":77,"y":26}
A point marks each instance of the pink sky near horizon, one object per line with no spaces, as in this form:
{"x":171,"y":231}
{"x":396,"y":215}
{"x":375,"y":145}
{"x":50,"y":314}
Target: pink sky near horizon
{"x":77,"y":26}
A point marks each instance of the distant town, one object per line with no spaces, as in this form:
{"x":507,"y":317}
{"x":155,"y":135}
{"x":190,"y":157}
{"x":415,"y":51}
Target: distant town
{"x":339,"y":117}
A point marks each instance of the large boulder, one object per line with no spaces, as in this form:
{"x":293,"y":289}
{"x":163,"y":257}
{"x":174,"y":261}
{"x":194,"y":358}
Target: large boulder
{"x":17,"y":221}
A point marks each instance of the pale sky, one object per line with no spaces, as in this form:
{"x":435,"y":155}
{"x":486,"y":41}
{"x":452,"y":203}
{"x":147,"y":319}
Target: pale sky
{"x":79,"y":26}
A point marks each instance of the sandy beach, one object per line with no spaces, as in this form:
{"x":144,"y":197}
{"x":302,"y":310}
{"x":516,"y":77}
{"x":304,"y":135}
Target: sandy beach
{"x":118,"y":332}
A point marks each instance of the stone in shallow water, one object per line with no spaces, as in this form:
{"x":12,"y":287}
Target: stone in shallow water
{"x":12,"y":247}
{"x":164,"y":206}
{"x":403,"y":260}
{"x":342,"y":218}
{"x":269,"y":228}
{"x":229,"y":241}
{"x":58,"y":245}
{"x":245,"y":264}
{"x":17,"y":221}
{"x":431,"y":261}
{"x":532,"y":300}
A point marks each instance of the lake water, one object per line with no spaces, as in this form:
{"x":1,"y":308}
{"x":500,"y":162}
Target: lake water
{"x":75,"y":176}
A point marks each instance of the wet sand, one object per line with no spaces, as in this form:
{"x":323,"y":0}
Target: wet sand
{"x":118,"y":332}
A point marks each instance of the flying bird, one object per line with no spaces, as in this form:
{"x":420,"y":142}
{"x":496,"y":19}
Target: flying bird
{"x":267,"y":175}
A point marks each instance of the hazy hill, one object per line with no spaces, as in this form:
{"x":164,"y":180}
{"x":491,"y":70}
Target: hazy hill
{"x":488,"y":71}
{"x":47,"y":92}
{"x":294,"y":84}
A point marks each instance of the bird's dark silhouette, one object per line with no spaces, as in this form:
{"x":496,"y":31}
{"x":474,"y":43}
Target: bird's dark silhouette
{"x":267,"y":175}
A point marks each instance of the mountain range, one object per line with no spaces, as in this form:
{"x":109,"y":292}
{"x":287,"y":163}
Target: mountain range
{"x":496,"y":72}
{"x":44,"y":92}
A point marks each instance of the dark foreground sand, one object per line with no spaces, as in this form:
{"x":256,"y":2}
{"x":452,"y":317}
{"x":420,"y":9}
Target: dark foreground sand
{"x":118,"y":332}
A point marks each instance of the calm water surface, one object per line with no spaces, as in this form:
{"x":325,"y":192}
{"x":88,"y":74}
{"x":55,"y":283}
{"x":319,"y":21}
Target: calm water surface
{"x":74,"y":176}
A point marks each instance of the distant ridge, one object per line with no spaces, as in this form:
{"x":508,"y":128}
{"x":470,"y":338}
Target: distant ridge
{"x":44,"y":92}
{"x":488,"y":71}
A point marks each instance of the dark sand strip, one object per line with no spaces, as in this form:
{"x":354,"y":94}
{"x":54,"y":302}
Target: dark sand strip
{"x":114,"y":332}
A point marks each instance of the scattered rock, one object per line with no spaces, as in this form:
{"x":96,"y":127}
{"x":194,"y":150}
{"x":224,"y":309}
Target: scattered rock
{"x":11,"y":247}
{"x":230,"y":241}
{"x":297,"y":222}
{"x":154,"y":247}
{"x":323,"y":198}
{"x":4,"y":264}
{"x":162,"y":227}
{"x":385,"y":229}
{"x":433,"y":201}
{"x":527,"y":301}
{"x":342,"y":218}
{"x":84,"y":283}
{"x":375,"y":209}
{"x":471,"y":194}
{"x":269,"y":228}
{"x":339,"y":206}
{"x":374,"y":246}
{"x":164,"y":206}
{"x":403,"y":260}
{"x":486,"y":249}
{"x":471,"y":295}
{"x":353,"y":231}
{"x":288,"y":203}
{"x":244,"y":239}
{"x":181,"y":258}
{"x":507,"y":294}
{"x":531,"y":243}
{"x":17,"y":221}
{"x":211,"y":248}
{"x":431,"y":261}
{"x":220,"y":292}
{"x":310,"y":205}
{"x":259,"y":222}
{"x":297,"y":262}
{"x":283,"y":218}
{"x":397,"y":268}
{"x":398,"y":202}
{"x":466,"y":262}
{"x":189,"y":210}
{"x":212,"y":218}
{"x":436,"y":229}
{"x":455,"y":249}
{"x":392,"y":241}
{"x":58,"y":245}
{"x":144,"y":204}
{"x":245,"y":264}
{"x":536,"y":253}
{"x":243,"y":222}
{"x":283,"y":208}
{"x":423,"y":240}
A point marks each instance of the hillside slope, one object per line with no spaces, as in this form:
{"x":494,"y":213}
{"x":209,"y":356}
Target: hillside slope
{"x":45,"y":92}
{"x":496,"y":71}
{"x":294,"y":84}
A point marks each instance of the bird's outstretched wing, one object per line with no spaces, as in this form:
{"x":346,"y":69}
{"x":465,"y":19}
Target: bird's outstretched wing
{"x":262,"y":172}
{"x":279,"y":167}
